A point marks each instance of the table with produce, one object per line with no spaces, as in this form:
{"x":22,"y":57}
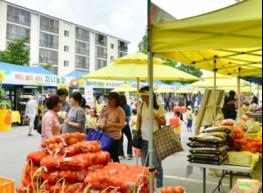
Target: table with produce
{"x":231,"y":144}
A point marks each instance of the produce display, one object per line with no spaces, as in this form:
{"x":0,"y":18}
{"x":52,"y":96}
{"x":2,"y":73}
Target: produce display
{"x":68,"y":164}
{"x":242,"y":142}
{"x":176,"y":189}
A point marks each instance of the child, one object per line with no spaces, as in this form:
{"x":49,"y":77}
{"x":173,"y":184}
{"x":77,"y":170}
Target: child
{"x":189,"y":118}
{"x":133,"y":121}
{"x":176,"y":124}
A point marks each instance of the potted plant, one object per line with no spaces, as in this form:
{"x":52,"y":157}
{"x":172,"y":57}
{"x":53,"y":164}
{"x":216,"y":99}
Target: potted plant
{"x":5,"y":108}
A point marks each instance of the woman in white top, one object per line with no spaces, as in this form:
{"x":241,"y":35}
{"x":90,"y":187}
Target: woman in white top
{"x":142,"y":124}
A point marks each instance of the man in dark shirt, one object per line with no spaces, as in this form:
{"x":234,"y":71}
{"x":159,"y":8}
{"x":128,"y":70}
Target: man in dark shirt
{"x":229,"y":109}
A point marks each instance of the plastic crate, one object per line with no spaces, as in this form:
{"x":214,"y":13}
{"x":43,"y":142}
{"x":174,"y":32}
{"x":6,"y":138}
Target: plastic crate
{"x":7,"y":185}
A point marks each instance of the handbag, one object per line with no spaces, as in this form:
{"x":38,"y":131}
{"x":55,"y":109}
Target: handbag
{"x":98,"y":135}
{"x":137,"y":136}
{"x":166,"y":142}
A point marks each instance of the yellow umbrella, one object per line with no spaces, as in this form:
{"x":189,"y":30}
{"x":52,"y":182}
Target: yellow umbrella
{"x":133,"y":69}
{"x":125,"y":88}
{"x":186,"y":90}
{"x":163,"y":90}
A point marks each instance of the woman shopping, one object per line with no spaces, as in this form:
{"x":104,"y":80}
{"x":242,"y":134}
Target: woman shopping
{"x":126,"y":130}
{"x":50,"y":122}
{"x":143,"y":126}
{"x":112,"y":121}
{"x":76,"y":118}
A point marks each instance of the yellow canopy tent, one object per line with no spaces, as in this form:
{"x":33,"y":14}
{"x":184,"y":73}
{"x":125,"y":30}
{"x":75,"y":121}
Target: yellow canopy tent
{"x":223,"y":81}
{"x":225,"y":40}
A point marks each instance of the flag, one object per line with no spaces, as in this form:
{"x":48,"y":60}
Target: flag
{"x":158,"y":15}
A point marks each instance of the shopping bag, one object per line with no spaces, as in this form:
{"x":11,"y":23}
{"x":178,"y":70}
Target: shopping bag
{"x":98,"y":135}
{"x":137,"y":140}
{"x":166,"y":142}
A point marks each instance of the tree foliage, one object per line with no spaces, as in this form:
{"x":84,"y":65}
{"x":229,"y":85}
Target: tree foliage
{"x":16,"y":53}
{"x":143,"y":47}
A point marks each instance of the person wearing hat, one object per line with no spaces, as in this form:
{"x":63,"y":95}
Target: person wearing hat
{"x":142,"y":125}
{"x":189,"y":118}
{"x":229,"y":108}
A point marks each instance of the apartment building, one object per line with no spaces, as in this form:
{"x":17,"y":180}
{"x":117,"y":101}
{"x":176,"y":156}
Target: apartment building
{"x":63,"y":45}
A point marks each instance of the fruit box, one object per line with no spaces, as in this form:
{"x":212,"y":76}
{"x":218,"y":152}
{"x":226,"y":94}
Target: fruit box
{"x":244,"y":158}
{"x":7,"y":185}
{"x":246,"y":186}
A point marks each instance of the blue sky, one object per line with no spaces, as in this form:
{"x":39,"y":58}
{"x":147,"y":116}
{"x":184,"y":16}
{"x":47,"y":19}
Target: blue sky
{"x":122,"y":18}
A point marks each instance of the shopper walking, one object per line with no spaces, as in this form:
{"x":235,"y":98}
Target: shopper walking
{"x":50,"y":121}
{"x":126,"y":130}
{"x":112,"y":121}
{"x":143,"y":125}
{"x":31,"y":113}
{"x":76,"y":118}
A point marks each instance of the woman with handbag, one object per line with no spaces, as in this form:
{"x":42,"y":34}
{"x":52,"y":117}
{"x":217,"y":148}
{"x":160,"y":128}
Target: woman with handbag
{"x":76,"y":119}
{"x":143,"y":128}
{"x":112,"y":121}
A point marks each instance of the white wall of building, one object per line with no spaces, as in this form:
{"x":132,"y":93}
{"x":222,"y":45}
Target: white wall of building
{"x":66,"y":41}
{"x":3,"y":18}
{"x":34,"y":39}
{"x":92,"y":52}
{"x":112,"y":52}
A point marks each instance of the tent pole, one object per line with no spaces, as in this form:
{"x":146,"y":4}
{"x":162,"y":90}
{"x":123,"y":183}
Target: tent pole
{"x":137,"y":105}
{"x":239,"y":93}
{"x":215,"y":86}
{"x":150,"y":79}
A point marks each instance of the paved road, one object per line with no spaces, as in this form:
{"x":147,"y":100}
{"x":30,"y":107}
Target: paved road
{"x":15,"y":145}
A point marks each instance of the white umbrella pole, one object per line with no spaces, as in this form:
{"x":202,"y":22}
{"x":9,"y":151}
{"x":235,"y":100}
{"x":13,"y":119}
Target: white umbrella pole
{"x":150,"y":79}
{"x":239,"y":93}
{"x":215,"y":86}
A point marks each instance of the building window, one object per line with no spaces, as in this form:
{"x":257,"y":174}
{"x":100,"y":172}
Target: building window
{"x":82,"y":48}
{"x":66,"y":63}
{"x":49,"y":25}
{"x":66,"y":33}
{"x":82,"y":34}
{"x":122,"y":54}
{"x":101,"y":52}
{"x":123,"y":46}
{"x":82,"y":62}
{"x":112,"y":58}
{"x":53,"y":69}
{"x":100,"y":63}
{"x":101,"y":40}
{"x":15,"y":32}
{"x":48,"y":40}
{"x":48,"y":56}
{"x":112,"y":46}
{"x":66,"y":48}
{"x":19,"y":16}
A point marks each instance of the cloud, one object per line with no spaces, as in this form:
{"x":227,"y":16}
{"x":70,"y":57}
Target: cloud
{"x":187,"y":8}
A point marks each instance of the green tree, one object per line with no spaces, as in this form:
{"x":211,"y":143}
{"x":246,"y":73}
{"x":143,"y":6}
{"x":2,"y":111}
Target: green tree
{"x":16,"y":53}
{"x":143,"y":47}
